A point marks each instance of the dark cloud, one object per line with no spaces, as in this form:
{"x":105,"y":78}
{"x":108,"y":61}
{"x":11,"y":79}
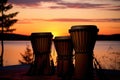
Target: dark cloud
{"x":82,"y":5}
{"x":57,"y":7}
{"x":114,"y":8}
{"x":24,"y":2}
{"x":77,"y":6}
{"x":85,"y":20}
{"x":101,"y":6}
{"x":112,"y":20}
{"x":63,"y":5}
{"x":30,"y":21}
{"x":29,"y":2}
{"x":115,"y":0}
{"x":79,"y":20}
{"x":68,"y":20}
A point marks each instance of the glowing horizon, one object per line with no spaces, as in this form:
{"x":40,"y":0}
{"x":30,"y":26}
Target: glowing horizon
{"x":57,"y":16}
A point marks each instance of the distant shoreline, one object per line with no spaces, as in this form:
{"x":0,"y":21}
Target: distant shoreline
{"x":113,"y":37}
{"x":16,"y":37}
{"x":12,"y":36}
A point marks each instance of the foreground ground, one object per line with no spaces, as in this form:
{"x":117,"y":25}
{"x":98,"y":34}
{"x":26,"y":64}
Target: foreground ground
{"x":18,"y":72}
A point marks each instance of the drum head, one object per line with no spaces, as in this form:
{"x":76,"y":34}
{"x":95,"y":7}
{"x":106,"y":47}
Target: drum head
{"x":84,"y":27}
{"x":42,"y":34}
{"x":62,"y":38}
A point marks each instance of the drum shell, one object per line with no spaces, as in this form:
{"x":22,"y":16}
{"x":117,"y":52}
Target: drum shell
{"x":42,"y":65}
{"x":64,"y":48}
{"x":83,"y":38}
{"x":83,"y":67}
{"x":41,"y":42}
{"x":65,"y":67}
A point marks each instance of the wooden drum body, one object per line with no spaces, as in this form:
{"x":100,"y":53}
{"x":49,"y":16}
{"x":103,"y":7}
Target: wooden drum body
{"x":41,"y":44}
{"x":64,"y":50}
{"x":84,"y":38}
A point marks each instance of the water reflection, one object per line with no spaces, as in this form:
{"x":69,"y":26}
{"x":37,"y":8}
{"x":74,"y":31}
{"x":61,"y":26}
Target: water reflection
{"x":106,"y":52}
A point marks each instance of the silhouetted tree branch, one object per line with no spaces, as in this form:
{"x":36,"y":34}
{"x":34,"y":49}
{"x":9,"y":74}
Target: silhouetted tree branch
{"x":28,"y":57}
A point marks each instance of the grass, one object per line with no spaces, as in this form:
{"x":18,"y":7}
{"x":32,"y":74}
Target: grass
{"x":110,"y":60}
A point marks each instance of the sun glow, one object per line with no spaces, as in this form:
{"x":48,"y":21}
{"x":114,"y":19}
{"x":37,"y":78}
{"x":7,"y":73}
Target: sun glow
{"x":51,"y":17}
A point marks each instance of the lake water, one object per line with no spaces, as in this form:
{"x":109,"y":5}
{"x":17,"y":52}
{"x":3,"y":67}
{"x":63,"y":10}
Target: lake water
{"x":106,"y":52}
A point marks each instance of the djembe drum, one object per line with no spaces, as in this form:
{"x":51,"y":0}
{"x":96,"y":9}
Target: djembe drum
{"x":64,"y":48}
{"x":84,"y":38}
{"x":41,"y":44}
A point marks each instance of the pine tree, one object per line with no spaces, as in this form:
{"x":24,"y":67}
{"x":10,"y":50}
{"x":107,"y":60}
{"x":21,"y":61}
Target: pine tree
{"x":6,"y":21}
{"x":27,"y":56}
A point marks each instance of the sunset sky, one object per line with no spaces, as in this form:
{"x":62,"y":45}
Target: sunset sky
{"x":57,"y":16}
